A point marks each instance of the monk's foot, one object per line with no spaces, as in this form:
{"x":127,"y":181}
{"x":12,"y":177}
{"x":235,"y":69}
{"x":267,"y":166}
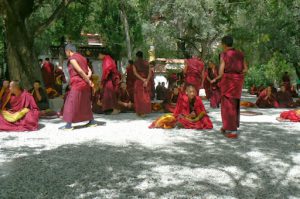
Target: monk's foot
{"x":67,"y":127}
{"x":115,"y":112}
{"x":92,"y":123}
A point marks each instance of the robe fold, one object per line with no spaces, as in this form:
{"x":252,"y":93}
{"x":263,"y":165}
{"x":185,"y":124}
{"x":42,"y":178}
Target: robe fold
{"x":78,"y":106}
{"x":110,"y":81}
{"x":142,"y":95}
{"x":29,"y":122}
{"x":130,"y":79}
{"x":48,"y":74}
{"x":231,"y":88}
{"x":193,"y":75}
{"x":292,"y":115}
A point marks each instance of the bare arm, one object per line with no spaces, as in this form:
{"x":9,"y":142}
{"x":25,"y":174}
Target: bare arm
{"x":185,"y":67}
{"x":149,"y":74}
{"x":136,"y":74}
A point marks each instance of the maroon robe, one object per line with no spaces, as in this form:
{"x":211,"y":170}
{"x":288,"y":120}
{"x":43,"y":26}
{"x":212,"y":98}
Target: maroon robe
{"x":270,"y":102}
{"x":130,"y":78}
{"x":285,"y":99}
{"x":170,"y":103}
{"x":231,"y":88}
{"x":142,"y":98}
{"x":123,"y":97}
{"x":30,"y":121}
{"x":193,"y":75}
{"x":97,"y":96}
{"x":48,"y":74}
{"x":215,"y":98}
{"x":110,"y":81}
{"x":78,"y":107}
{"x":185,"y":108}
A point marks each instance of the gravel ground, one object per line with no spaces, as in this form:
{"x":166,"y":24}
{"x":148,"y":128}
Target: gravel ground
{"x":124,"y":159}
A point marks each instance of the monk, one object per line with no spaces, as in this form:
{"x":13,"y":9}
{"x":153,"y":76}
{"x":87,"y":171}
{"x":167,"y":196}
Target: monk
{"x":110,"y":81}
{"x":292,"y":115}
{"x":215,"y":93}
{"x":124,"y":102}
{"x":253,"y":90}
{"x":48,"y":73}
{"x":40,"y":96}
{"x":232,"y":70}
{"x":170,"y":102}
{"x":24,"y":113}
{"x":190,"y":113}
{"x":78,"y":107}
{"x":97,"y":95}
{"x":4,"y":94}
{"x":130,"y":78}
{"x":267,"y":99}
{"x":194,"y":72}
{"x":206,"y":85}
{"x":285,"y":98}
{"x":142,"y":87}
{"x":60,"y":79}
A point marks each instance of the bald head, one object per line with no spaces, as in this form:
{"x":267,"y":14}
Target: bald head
{"x":191,"y":92}
{"x":15,"y":87}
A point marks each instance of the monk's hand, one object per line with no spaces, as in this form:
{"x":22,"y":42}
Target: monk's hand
{"x":91,"y":83}
{"x":99,"y":103}
{"x":213,"y":81}
{"x":145,"y":83}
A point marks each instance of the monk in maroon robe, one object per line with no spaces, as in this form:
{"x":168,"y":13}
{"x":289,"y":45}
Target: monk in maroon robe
{"x":194,"y":72}
{"x":60,"y":79}
{"x":215,"y":93}
{"x":170,"y":103}
{"x":48,"y":73}
{"x":267,"y":99}
{"x":23,"y":114}
{"x":124,"y":102}
{"x":285,"y":98}
{"x":142,"y":87}
{"x":110,"y":82}
{"x":130,"y":78}
{"x":78,"y":107}
{"x":4,"y":94}
{"x":232,"y":70}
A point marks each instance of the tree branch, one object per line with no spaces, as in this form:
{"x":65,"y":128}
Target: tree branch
{"x":55,"y":15}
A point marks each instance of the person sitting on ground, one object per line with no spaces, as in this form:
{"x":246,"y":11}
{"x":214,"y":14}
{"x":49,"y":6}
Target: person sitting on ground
{"x":285,"y":98}
{"x":170,"y":102}
{"x":124,"y":102}
{"x":23,"y":114}
{"x":253,"y":90}
{"x":267,"y":99}
{"x":4,"y":94}
{"x":190,"y":113}
{"x":40,"y":96}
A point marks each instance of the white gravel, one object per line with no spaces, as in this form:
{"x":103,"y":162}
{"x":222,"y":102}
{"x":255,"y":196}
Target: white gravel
{"x":125,"y":159}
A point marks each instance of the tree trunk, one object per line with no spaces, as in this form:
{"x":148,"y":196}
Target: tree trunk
{"x":126,"y":28}
{"x":22,"y":61}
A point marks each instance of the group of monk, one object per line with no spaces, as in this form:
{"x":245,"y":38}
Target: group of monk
{"x":113,"y":93}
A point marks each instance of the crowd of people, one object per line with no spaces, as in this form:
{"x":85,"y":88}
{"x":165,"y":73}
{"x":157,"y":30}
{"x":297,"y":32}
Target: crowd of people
{"x":112,"y":93}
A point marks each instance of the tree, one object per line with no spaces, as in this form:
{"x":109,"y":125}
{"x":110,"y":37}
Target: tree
{"x":21,"y":31}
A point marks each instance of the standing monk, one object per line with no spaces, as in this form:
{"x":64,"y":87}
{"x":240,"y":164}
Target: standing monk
{"x":130,"y":78}
{"x":232,"y":71}
{"x":142,"y":87}
{"x":110,"y":82}
{"x":194,"y":73}
{"x":78,"y":107}
{"x":48,"y":73}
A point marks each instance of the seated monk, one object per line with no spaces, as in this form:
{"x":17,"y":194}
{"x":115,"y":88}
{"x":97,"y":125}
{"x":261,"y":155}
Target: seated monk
{"x":60,"y":79}
{"x":170,"y":103}
{"x":267,"y":99}
{"x":124,"y":102}
{"x":285,"y":98}
{"x":40,"y":96}
{"x":253,"y":90}
{"x":97,"y":95}
{"x":190,"y":113}
{"x":4,"y":94}
{"x":292,"y":115}
{"x":24,"y":113}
